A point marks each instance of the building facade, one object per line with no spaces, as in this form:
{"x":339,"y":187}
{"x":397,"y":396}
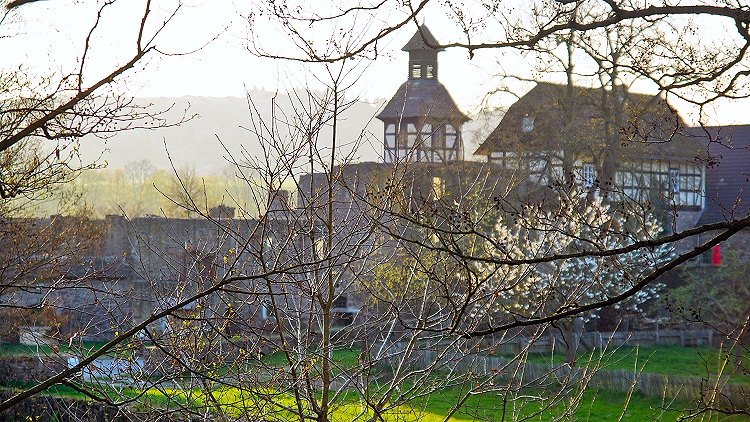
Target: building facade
{"x":630,"y":148}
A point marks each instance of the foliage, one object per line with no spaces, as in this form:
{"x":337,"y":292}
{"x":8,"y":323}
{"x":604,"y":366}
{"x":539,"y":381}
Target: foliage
{"x":666,"y":45}
{"x":141,"y":189}
{"x":718,"y":295}
{"x":16,"y":318}
{"x":576,"y":225}
{"x":42,"y":119}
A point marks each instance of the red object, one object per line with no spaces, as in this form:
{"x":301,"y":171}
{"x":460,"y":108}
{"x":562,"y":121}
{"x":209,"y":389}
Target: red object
{"x":716,"y":259}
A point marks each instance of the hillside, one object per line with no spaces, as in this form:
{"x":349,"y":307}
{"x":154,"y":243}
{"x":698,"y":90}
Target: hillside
{"x":195,"y":143}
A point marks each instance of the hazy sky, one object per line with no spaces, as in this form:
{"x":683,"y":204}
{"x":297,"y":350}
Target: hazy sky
{"x":51,"y":34}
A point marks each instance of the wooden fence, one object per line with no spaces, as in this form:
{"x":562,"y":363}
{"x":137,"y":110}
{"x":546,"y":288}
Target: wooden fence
{"x":716,"y":391}
{"x":599,"y":340}
{"x":466,"y":357}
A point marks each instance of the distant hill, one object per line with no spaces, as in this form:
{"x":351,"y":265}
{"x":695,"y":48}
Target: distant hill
{"x":194,"y":143}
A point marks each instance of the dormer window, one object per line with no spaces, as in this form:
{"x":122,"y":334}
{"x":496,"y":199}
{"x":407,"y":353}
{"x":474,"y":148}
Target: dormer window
{"x":528,"y":124}
{"x":416,"y":70}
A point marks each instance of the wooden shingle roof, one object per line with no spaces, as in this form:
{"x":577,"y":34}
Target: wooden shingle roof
{"x":417,"y":41}
{"x":575,"y":120}
{"x":422,"y":98}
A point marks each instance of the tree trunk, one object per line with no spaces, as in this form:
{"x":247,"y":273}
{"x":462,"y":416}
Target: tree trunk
{"x":571,"y":331}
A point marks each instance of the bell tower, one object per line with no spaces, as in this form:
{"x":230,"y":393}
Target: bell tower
{"x":422,"y":122}
{"x":422,"y":58}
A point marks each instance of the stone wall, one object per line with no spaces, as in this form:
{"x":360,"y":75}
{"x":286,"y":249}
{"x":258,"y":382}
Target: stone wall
{"x":138,"y":266}
{"x":27,"y":369}
{"x":16,"y":370}
{"x":170,"y":259}
{"x":47,"y":408}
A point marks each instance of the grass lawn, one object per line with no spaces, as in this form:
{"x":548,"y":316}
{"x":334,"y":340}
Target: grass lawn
{"x":152,"y":398}
{"x":22,"y":349}
{"x":673,"y":360}
{"x":342,"y":359}
{"x":595,"y":405}
{"x":56,"y":390}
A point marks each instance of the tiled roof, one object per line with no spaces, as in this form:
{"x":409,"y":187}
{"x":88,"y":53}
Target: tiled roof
{"x":417,"y":98}
{"x":727,"y":150}
{"x":647,"y":122}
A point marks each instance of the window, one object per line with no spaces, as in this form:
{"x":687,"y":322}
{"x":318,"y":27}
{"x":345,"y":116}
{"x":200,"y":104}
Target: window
{"x":264,"y":311}
{"x":427,"y":136}
{"x":390,"y":156}
{"x":416,"y":70}
{"x":390,"y":135}
{"x":430,"y":71}
{"x":674,"y":180}
{"x":528,"y":124}
{"x":588,"y":174}
{"x":450,"y":136}
{"x":339,"y":302}
{"x":411,"y":135}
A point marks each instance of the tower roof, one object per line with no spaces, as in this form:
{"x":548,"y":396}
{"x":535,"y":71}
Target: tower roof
{"x":417,"y":41}
{"x":422,"y":98}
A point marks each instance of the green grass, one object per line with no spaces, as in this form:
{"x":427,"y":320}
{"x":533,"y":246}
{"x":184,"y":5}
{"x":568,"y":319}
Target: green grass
{"x":342,"y":359}
{"x":673,"y":360}
{"x":605,"y":406}
{"x":152,"y":398}
{"x":595,"y":405}
{"x":700,"y":361}
{"x":56,"y":390}
{"x":22,"y":349}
